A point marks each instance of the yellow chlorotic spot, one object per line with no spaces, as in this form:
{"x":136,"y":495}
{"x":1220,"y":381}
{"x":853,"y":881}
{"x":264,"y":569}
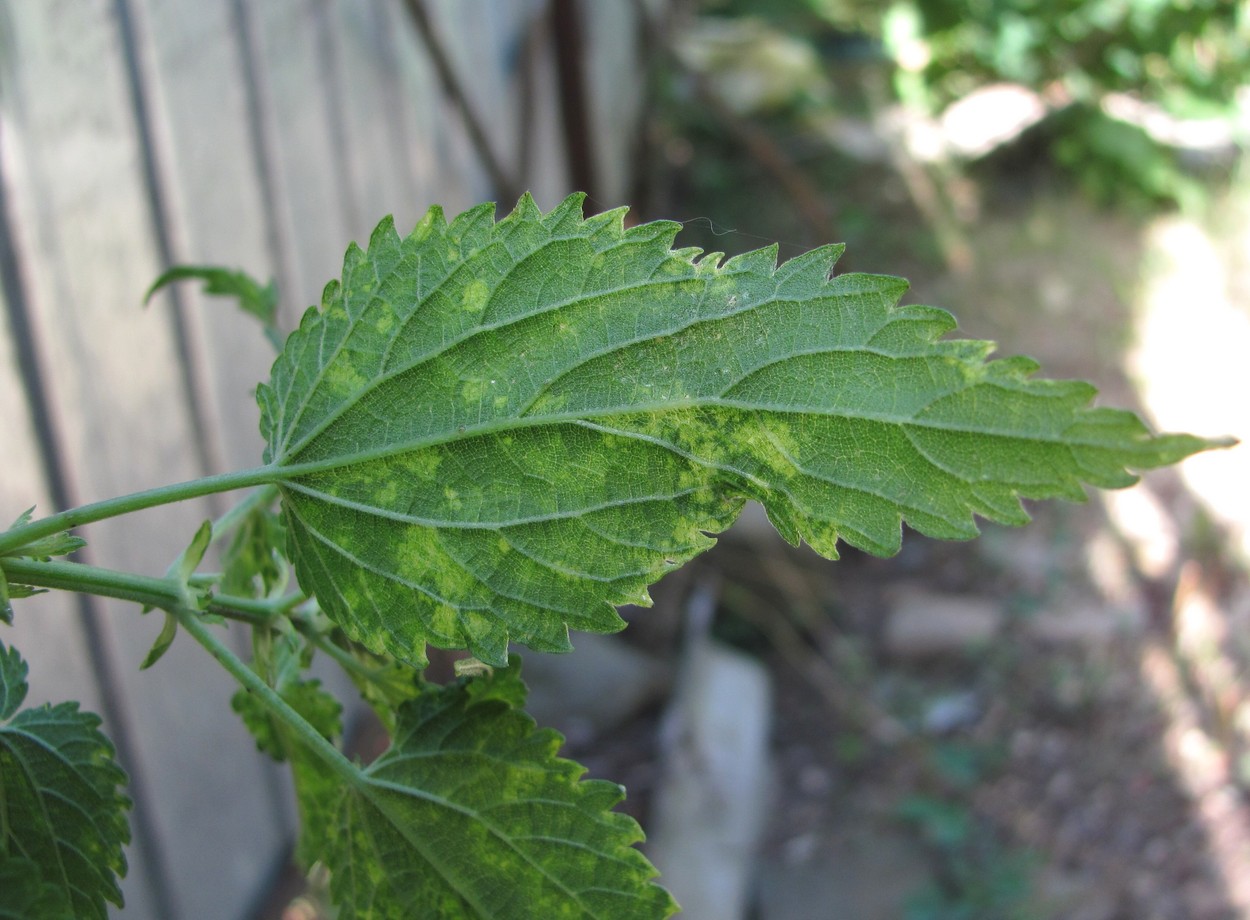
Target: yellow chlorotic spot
{"x":344,"y":379}
{"x":422,"y":229}
{"x":474,"y":391}
{"x":386,"y":495}
{"x":476,"y":294}
{"x":423,"y":463}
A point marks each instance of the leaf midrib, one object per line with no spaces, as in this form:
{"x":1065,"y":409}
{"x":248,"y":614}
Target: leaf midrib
{"x":288,"y":471}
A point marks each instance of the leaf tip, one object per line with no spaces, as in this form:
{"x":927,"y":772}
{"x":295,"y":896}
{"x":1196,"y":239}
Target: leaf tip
{"x":384,"y":234}
{"x":527,"y":209}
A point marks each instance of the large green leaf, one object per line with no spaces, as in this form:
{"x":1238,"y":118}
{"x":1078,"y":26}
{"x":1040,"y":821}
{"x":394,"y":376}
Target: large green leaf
{"x":24,"y":894}
{"x":470,"y":813}
{"x":62,"y":814}
{"x":495,"y":431}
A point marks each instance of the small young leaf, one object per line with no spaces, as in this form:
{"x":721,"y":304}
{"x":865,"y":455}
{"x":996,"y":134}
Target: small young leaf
{"x":61,"y":803}
{"x":181,"y":569}
{"x":498,"y":431}
{"x":255,"y":299}
{"x":470,"y":814}
{"x":162,"y":643}
{"x":13,"y":671}
{"x":16,"y":592}
{"x":24,"y":518}
{"x":252,"y":564}
{"x":306,"y":697}
{"x":60,"y":544}
{"x":190,"y":558}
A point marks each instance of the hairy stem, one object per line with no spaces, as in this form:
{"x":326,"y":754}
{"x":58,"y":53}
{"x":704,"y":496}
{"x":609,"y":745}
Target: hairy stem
{"x":340,"y":656}
{"x":166,"y":594}
{"x":192,"y":622}
{"x":259,"y":498}
{"x":18,"y":537}
{"x":162,"y":593}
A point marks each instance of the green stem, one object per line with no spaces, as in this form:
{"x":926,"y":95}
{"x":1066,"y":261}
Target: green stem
{"x":89,"y":579}
{"x":162,"y":593}
{"x":259,"y":498}
{"x":342,"y":657}
{"x":18,"y":537}
{"x":166,"y":594}
{"x":309,"y":736}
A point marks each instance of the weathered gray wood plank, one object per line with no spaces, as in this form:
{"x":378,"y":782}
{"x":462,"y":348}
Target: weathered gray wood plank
{"x":375,"y":118}
{"x":611,"y":36}
{"x":313,"y":200}
{"x":117,"y":392}
{"x":546,"y":175}
{"x":194,"y":69}
{"x":444,"y":162}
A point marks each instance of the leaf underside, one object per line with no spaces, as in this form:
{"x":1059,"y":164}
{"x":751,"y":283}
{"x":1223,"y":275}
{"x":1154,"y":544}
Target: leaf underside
{"x":63,"y":824}
{"x":470,"y":813}
{"x":497,"y":431}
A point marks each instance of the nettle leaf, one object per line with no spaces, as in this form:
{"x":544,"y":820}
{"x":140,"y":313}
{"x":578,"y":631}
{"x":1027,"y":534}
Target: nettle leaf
{"x":255,"y":299}
{"x":25,"y":894}
{"x":316,"y":705}
{"x":470,"y":813}
{"x":61,"y":805}
{"x":252,"y":565}
{"x":494,"y":431}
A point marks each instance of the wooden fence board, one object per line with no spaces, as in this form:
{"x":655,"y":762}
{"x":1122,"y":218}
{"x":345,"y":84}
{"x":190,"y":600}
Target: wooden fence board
{"x":444,"y":162}
{"x":88,"y":234}
{"x":216,"y":211}
{"x":311,"y":197}
{"x":376,"y":127}
{"x":546,"y":174}
{"x":611,"y":35}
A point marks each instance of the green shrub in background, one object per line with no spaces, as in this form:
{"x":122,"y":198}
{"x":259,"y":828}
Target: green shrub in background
{"x":1166,"y":63}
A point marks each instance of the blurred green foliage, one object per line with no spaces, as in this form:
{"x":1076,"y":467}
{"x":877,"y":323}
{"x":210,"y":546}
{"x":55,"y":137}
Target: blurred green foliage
{"x":1189,"y":57}
{"x":1188,"y":60}
{"x":975,"y":877}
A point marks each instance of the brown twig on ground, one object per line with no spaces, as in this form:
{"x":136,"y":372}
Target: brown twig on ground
{"x":809,"y":201}
{"x":806,"y":196}
{"x":846,"y":702}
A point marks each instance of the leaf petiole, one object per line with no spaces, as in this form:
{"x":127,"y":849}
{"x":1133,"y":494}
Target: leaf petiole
{"x":14,"y":539}
{"x":258,"y":498}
